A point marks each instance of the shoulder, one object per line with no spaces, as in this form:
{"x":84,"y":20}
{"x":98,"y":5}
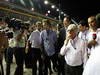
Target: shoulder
{"x":62,"y":29}
{"x":80,"y":40}
{"x":43,"y":31}
{"x":34,"y":32}
{"x":98,"y":30}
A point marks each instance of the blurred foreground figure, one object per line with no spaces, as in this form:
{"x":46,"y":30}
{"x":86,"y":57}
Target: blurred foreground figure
{"x":93,"y":63}
{"x":3,"y":44}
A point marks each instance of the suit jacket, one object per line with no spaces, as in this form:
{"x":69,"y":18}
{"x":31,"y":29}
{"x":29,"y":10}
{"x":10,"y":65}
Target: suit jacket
{"x":61,"y":38}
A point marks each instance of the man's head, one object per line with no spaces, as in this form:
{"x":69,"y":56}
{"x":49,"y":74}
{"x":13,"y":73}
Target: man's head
{"x":2,"y":24}
{"x":38,"y":25}
{"x":66,"y":21}
{"x":83,"y":25}
{"x":46,"y":24}
{"x":72,"y":31}
{"x":92,"y":22}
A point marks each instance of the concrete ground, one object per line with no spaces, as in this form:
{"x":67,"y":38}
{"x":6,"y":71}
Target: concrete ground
{"x":13,"y":66}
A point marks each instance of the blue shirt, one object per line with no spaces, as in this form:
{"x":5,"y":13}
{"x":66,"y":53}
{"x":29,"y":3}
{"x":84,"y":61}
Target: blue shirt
{"x":48,"y":41}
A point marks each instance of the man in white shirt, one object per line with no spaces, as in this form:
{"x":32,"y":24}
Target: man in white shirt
{"x":93,"y":36}
{"x":93,"y":63}
{"x":83,"y":29}
{"x":74,"y":52}
{"x":35,"y":41}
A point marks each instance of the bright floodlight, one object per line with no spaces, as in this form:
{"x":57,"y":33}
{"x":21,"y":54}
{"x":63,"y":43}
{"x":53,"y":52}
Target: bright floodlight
{"x":57,"y":9}
{"x":32,"y":9}
{"x":65,"y":15}
{"x":62,"y":12}
{"x":46,"y":2}
{"x":53,"y":6}
{"x":49,"y":11}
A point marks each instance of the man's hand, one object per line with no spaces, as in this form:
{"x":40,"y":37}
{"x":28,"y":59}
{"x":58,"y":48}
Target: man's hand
{"x":68,"y":37}
{"x":92,"y":43}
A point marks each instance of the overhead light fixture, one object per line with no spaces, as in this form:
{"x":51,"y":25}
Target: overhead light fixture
{"x":62,"y":12}
{"x":32,"y":9}
{"x":57,"y":10}
{"x":46,"y":2}
{"x":49,"y":11}
{"x":53,"y":6}
{"x":65,"y":15}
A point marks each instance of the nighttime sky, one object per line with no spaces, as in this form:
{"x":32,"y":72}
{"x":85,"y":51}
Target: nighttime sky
{"x":79,"y":9}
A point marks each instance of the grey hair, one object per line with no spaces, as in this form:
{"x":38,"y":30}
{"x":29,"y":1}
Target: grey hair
{"x":73,"y":27}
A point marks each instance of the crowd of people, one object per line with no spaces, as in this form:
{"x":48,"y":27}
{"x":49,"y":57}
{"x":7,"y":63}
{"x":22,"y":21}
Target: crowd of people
{"x":67,"y":49}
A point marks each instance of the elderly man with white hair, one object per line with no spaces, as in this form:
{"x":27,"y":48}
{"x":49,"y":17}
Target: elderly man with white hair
{"x":74,"y":51}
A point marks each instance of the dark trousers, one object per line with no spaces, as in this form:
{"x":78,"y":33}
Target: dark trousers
{"x":9,"y":58}
{"x":2,"y":71}
{"x":19,"y":57}
{"x":36,"y":56}
{"x":47,"y":63}
{"x":73,"y":70}
{"x":28,"y":59}
{"x":54,"y":60}
{"x":61,"y":64}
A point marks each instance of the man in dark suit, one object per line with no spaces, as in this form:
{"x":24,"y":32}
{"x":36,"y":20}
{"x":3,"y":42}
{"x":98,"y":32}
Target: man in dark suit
{"x":61,"y":38}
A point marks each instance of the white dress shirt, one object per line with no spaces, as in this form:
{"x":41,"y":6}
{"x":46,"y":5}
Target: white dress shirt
{"x":35,"y":39}
{"x":74,"y":54}
{"x":89,"y":37}
{"x":93,"y":64}
{"x":83,"y":35}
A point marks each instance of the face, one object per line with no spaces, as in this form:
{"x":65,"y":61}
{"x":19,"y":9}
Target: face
{"x":1,"y":23}
{"x":66,"y":22}
{"x":25,"y":32}
{"x":71,"y":34}
{"x":44,"y":25}
{"x":39,"y":27}
{"x":81,"y":28}
{"x":92,"y":22}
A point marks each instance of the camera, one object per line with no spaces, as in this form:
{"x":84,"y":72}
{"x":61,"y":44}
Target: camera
{"x":9,"y":34}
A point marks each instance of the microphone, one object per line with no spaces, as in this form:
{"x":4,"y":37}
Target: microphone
{"x":94,"y":36}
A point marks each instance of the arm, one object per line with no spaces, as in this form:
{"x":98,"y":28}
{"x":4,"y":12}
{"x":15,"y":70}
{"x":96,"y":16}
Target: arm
{"x":65,"y":48}
{"x":84,"y":53}
{"x":27,"y":46}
